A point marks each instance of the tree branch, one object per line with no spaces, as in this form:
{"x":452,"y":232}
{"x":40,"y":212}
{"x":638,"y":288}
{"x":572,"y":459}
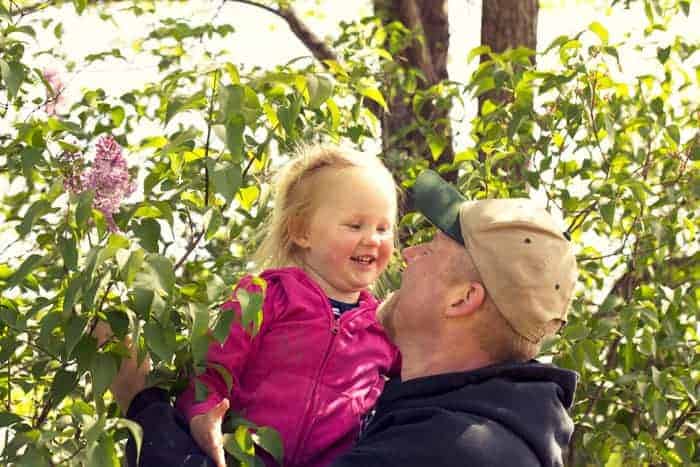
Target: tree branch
{"x":316,"y":46}
{"x":680,"y":421}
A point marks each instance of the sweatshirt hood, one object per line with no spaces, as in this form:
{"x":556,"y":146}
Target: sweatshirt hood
{"x":530,"y":399}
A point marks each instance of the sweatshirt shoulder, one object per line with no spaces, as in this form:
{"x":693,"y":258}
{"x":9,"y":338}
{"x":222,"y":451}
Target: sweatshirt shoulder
{"x":443,"y":438}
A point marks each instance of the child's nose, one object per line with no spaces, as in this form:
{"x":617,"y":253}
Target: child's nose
{"x":373,"y":238}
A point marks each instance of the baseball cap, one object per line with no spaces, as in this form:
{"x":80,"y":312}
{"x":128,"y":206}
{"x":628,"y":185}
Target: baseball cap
{"x":526,"y":263}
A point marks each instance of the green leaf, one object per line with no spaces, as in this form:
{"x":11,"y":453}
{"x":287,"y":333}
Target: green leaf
{"x":9,"y":419}
{"x":160,"y":339}
{"x":231,"y":100}
{"x":26,"y":268}
{"x":478,"y":52}
{"x":63,"y":383}
{"x":234,"y":135}
{"x":201,"y":392}
{"x":132,"y":266}
{"x":31,"y":159}
{"x":84,"y":208}
{"x":212,"y":221}
{"x":136,"y":433}
{"x":73,"y":331}
{"x":607,"y":212}
{"x":117,"y":116}
{"x":80,"y":6}
{"x":599,"y":31}
{"x":232,"y":73}
{"x":34,"y":212}
{"x":199,"y":337}
{"x":320,"y":89}
{"x":270,"y":440}
{"x":437,"y":145}
{"x":115,"y":243}
{"x":119,"y":322}
{"x":240,"y":445}
{"x":251,"y":310}
{"x":247,"y":196}
{"x":615,"y":460}
{"x":103,"y":370}
{"x":226,"y":180}
{"x":662,"y":53}
{"x":74,"y":286}
{"x":223,"y":325}
{"x":69,"y":252}
{"x":103,"y":453}
{"x":13,"y":75}
{"x":288,"y":115}
{"x":375,"y":95}
{"x":141,"y":299}
{"x":224,"y":373}
{"x":148,"y":232}
{"x":674,"y":133}
{"x":685,"y":6}
{"x":34,"y":457}
{"x":466,"y":155}
{"x":660,"y":410}
{"x":158,"y":274}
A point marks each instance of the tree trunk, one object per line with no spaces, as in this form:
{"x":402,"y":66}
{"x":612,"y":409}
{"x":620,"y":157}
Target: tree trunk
{"x":508,"y":24}
{"x":429,"y":19}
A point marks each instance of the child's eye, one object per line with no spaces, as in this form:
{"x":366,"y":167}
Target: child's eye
{"x":355,"y":226}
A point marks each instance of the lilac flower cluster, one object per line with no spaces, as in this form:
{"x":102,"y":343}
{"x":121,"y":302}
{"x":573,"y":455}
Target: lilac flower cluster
{"x":54,"y":95}
{"x":108,"y":178}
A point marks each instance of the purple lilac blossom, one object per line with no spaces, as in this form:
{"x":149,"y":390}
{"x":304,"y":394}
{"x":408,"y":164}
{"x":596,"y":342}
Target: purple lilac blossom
{"x":108,"y":177}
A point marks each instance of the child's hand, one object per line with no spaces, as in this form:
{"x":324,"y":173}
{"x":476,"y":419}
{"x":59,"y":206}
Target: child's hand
{"x":206,"y":431}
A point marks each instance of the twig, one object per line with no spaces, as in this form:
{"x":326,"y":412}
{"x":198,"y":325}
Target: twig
{"x":190,"y":248}
{"x":316,"y":46}
{"x":581,"y":217}
{"x":207,"y":143}
{"x":195,"y":241}
{"x":679,"y":422}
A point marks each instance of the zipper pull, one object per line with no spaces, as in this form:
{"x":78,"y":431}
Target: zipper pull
{"x":335,"y":327}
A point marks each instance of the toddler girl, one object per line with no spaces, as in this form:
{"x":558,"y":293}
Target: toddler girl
{"x":318,"y":362}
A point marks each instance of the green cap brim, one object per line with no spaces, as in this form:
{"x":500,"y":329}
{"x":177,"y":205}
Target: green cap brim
{"x":440,"y":202}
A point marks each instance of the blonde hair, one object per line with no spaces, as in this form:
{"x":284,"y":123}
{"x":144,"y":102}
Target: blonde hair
{"x":295,"y":192}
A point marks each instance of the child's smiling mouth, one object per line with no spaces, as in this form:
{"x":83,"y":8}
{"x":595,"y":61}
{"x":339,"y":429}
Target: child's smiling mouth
{"x":364,"y":259}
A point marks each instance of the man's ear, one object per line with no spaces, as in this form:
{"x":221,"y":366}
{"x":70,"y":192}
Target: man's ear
{"x":298,"y":232}
{"x":469,"y":298}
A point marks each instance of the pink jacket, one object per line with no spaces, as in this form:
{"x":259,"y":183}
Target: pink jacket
{"x":306,"y":374}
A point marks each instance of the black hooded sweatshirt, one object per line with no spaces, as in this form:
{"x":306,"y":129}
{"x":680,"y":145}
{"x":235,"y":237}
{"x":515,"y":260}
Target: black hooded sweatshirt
{"x":512,"y":415}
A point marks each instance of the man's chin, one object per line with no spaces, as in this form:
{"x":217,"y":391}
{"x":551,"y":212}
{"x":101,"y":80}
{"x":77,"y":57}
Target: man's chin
{"x":386,"y":311}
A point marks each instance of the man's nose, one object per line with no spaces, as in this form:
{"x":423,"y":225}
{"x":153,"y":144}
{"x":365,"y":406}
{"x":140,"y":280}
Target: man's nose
{"x":410,"y":253}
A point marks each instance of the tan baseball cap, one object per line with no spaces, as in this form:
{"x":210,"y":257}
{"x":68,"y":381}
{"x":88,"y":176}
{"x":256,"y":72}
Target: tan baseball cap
{"x":526,"y":263}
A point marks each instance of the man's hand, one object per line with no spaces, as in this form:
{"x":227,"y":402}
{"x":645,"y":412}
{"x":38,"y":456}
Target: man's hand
{"x":206,"y":431}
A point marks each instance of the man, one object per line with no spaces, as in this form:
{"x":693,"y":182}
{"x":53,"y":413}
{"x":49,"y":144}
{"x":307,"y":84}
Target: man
{"x":474,"y":306}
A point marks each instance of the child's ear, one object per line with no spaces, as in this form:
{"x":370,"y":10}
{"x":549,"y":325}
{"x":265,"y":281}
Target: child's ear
{"x":298,"y":232}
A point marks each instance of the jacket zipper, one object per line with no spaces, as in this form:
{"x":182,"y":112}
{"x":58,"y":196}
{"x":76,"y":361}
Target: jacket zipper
{"x":335,"y":327}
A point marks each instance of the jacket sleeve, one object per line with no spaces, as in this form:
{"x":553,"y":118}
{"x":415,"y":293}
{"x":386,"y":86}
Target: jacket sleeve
{"x":231,"y":357}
